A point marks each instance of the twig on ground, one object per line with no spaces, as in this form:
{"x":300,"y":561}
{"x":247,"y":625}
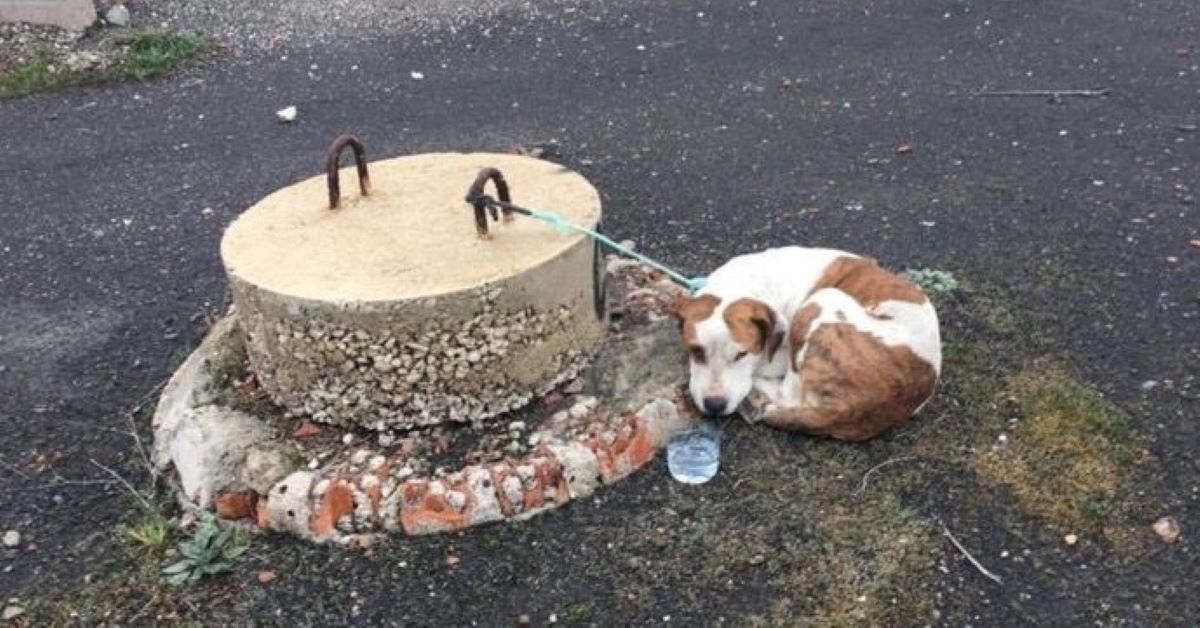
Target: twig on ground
{"x":866,"y":476}
{"x":14,"y":468}
{"x":1052,"y":93}
{"x":136,"y":493}
{"x":131,"y":417}
{"x":983,"y":570}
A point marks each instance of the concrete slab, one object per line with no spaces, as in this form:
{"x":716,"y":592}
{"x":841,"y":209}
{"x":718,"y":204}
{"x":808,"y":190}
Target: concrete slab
{"x":68,"y":14}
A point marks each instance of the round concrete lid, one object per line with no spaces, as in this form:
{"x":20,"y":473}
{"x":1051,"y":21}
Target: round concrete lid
{"x":413,"y":236}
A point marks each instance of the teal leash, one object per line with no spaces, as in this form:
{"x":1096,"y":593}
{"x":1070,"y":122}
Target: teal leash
{"x":562,"y":225}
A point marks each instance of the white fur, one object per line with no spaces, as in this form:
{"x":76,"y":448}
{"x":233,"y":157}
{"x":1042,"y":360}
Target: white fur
{"x":783,"y":279}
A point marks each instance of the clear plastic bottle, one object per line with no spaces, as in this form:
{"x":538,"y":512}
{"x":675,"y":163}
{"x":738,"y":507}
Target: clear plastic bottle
{"x":694,"y":454}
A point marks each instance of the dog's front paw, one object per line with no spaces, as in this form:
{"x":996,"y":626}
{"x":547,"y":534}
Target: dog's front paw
{"x":757,"y":398}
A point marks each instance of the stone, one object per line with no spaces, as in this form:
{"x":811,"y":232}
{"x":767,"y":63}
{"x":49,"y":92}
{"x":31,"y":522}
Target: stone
{"x":69,"y":14}
{"x":307,"y":429}
{"x":265,"y":465}
{"x":1167,"y":529}
{"x":1071,"y":539}
{"x":208,"y":447}
{"x":117,"y":15}
{"x":266,"y":576}
{"x":11,"y":612}
{"x":289,"y":508}
{"x":12,"y":538}
{"x":580,"y":468}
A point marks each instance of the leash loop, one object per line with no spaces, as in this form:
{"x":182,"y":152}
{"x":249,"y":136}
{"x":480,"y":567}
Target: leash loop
{"x":481,"y":202}
{"x":485,"y":204}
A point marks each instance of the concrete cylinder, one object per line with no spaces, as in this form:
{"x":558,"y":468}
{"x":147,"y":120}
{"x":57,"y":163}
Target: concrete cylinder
{"x":390,"y":312}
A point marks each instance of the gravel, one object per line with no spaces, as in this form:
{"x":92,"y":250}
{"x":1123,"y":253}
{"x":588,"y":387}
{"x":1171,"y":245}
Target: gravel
{"x":279,"y":24}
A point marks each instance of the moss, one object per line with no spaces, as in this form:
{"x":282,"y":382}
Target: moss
{"x":1072,"y":457}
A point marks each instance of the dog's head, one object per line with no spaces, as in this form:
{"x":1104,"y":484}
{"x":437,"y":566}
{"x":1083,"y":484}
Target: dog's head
{"x":726,"y":343}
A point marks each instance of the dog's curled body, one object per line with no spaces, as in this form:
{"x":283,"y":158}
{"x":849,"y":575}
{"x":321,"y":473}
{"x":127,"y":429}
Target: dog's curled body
{"x":836,"y":344}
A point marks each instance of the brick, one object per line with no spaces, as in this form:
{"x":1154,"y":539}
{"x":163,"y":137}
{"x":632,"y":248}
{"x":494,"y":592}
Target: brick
{"x":484,"y":504}
{"x":425,"y":511}
{"x":337,"y":503}
{"x":236,"y":505}
{"x":307,"y":429}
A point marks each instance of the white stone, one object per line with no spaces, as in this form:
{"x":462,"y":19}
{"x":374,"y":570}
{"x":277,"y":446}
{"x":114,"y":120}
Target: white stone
{"x":581,"y":468}
{"x":288,"y":505}
{"x":265,"y":465}
{"x":11,"y":612}
{"x":117,"y":15}
{"x":513,"y":491}
{"x":12,"y":538}
{"x":360,"y":457}
{"x":208,"y":447}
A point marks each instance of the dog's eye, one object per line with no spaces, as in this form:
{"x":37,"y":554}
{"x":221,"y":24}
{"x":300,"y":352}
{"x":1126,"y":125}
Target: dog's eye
{"x":739,"y":356}
{"x":697,"y":354}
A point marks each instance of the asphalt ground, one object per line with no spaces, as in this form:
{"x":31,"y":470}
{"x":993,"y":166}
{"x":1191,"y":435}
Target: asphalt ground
{"x":710,"y":129}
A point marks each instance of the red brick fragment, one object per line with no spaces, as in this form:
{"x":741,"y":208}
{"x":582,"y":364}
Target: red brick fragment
{"x":236,"y":505}
{"x":337,"y":503}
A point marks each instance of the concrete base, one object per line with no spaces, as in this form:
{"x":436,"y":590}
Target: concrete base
{"x":266,"y":470}
{"x":390,"y":312}
{"x":68,"y":14}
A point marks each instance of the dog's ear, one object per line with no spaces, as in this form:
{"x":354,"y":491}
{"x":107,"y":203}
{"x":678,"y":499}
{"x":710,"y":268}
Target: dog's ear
{"x":688,"y":308}
{"x":752,"y":323}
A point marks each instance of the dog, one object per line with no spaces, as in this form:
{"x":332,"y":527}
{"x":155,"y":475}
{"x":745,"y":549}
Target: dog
{"x":825,"y":341}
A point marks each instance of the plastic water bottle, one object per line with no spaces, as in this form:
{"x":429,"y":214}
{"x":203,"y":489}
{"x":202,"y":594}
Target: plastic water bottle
{"x":694,"y":454}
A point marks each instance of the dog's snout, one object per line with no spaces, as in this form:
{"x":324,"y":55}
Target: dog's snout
{"x":715,"y":404}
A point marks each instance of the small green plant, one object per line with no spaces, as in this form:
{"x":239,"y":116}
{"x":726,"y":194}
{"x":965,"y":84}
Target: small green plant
{"x":150,"y":533}
{"x":212,"y":549}
{"x":932,"y":280}
{"x":155,"y":52}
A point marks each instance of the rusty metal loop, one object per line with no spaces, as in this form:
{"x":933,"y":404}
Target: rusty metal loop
{"x":484,"y":204}
{"x":331,"y":167}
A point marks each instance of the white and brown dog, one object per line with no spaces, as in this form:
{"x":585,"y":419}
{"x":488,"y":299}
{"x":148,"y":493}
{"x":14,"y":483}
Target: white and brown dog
{"x":837,"y":345}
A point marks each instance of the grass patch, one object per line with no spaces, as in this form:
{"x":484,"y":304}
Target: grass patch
{"x":1070,"y":459}
{"x":34,"y":75}
{"x":154,"y":53}
{"x":139,"y":55}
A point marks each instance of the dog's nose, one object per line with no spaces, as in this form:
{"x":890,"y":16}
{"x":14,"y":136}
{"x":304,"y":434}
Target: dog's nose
{"x":714,"y":405}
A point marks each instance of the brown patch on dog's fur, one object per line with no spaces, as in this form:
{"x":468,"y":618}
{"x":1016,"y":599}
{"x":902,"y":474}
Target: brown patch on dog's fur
{"x":863,"y":279}
{"x":692,"y":310}
{"x":751,"y":324}
{"x":853,"y":386}
{"x":798,"y":332}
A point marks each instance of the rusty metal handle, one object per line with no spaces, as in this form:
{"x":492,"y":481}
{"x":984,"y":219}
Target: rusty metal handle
{"x":331,"y":168}
{"x":480,"y":201}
